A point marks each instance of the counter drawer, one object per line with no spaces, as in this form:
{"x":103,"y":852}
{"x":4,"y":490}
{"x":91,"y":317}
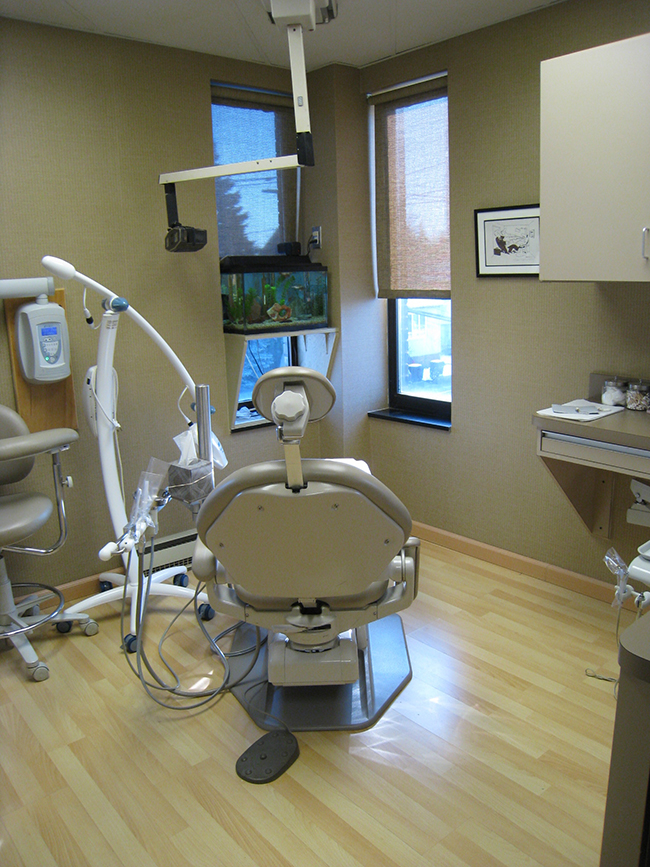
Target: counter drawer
{"x":589,"y":452}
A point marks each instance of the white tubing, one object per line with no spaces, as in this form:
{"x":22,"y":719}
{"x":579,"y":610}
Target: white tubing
{"x":104,"y":389}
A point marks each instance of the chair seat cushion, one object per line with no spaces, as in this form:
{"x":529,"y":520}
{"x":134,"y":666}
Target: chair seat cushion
{"x":21,"y":515}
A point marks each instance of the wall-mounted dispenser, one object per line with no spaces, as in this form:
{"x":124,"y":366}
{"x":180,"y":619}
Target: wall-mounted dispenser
{"x":42,"y":341}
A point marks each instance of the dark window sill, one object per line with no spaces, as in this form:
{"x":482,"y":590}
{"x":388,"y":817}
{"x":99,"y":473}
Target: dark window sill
{"x":410,"y":418}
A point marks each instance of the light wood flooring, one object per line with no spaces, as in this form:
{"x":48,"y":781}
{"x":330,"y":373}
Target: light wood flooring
{"x":495,"y":755}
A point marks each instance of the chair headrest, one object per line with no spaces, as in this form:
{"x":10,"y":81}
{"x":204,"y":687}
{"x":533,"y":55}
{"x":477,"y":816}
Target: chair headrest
{"x":318,"y":390}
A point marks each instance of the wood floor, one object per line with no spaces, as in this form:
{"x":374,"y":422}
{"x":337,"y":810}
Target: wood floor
{"x":495,"y":755}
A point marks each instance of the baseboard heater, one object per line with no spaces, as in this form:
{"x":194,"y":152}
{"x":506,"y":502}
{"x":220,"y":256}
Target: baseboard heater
{"x":173,"y":550}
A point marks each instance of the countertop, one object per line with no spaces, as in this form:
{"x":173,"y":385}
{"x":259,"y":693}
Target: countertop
{"x":627,"y":428}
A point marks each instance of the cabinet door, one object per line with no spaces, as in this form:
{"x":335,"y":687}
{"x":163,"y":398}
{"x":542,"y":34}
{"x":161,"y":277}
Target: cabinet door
{"x":595,"y":164}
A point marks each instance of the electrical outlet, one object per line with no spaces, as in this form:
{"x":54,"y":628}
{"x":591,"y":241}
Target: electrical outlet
{"x":316,"y":238}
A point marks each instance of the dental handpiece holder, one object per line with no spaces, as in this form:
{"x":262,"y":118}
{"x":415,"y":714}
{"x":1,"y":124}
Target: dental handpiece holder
{"x":148,"y":500}
{"x":638,"y":570}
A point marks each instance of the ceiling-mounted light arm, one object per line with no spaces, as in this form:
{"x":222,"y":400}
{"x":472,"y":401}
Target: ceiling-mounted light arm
{"x":179,"y":238}
{"x":304,"y":143}
{"x":295,"y":15}
{"x":270,"y":164}
{"x":172,"y":206}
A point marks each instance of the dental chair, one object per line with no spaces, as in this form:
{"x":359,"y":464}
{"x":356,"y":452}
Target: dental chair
{"x":318,"y":555}
{"x":21,"y":515}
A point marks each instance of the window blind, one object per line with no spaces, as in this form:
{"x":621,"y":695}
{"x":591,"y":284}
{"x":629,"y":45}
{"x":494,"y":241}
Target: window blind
{"x":410,"y":180}
{"x":256,"y":211}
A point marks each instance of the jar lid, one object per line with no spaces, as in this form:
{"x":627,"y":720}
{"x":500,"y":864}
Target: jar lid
{"x":615,"y":383}
{"x":638,"y":386}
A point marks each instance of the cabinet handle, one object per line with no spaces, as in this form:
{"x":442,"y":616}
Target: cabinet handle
{"x":644,"y":235}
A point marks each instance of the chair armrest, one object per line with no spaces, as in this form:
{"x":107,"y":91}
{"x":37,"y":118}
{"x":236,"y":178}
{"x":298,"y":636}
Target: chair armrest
{"x":204,"y":563}
{"x":30,"y":445}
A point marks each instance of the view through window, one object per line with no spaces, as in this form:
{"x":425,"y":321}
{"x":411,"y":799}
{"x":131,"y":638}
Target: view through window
{"x":424,"y":348}
{"x":256,"y":211}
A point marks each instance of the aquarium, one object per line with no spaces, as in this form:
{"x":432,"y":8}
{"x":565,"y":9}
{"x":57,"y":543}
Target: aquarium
{"x":272,"y":293}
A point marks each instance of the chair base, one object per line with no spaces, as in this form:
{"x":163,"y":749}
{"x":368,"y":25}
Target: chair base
{"x":385,"y":669}
{"x":117,"y":593}
{"x":16,"y":621}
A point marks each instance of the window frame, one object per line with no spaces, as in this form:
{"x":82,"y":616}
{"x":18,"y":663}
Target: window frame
{"x":403,"y":407}
{"x":424,"y":407}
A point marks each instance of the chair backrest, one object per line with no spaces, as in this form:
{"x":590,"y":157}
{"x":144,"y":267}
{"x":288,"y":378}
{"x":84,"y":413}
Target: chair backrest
{"x":333,"y":538}
{"x":12,"y":425}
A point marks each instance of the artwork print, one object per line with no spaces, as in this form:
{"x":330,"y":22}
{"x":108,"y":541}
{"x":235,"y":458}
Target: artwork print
{"x":507,"y":241}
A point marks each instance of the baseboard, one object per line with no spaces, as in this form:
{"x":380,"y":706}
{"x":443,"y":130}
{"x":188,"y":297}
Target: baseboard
{"x":583,"y":584}
{"x":82,"y":588}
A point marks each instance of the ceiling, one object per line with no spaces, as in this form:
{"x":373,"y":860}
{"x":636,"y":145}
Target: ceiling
{"x":363,"y":32}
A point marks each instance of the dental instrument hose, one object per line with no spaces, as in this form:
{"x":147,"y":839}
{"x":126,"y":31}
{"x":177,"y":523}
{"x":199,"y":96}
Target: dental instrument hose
{"x":200,"y":698}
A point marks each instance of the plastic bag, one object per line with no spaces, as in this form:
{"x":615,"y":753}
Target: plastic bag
{"x":618,"y":567}
{"x":188,"y":445}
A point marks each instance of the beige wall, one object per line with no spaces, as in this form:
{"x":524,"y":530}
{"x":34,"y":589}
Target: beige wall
{"x":337,"y":195}
{"x":89,"y":123}
{"x":518,"y":344}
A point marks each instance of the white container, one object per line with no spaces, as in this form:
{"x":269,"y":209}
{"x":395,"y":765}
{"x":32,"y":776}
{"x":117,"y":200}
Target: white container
{"x":614,"y":392}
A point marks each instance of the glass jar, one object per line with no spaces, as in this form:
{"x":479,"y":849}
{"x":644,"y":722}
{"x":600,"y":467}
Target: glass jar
{"x":638,"y":396}
{"x":614,"y":392}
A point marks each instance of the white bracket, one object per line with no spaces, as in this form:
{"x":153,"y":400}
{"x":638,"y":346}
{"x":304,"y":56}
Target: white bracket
{"x":294,"y":14}
{"x":269,"y":164}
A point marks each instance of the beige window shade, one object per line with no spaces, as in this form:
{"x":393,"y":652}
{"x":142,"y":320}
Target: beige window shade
{"x":411,"y":191}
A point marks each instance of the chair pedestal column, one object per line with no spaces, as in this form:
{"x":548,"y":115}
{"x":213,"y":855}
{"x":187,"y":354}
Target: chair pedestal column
{"x":10,"y":620}
{"x":15,"y":623}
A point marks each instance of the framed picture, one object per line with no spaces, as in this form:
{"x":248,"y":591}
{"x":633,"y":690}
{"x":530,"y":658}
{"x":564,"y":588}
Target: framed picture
{"x":507,"y":241}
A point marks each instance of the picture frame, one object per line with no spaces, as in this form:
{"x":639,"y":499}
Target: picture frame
{"x":507,"y":241}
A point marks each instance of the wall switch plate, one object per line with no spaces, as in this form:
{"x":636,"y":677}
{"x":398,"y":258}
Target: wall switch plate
{"x":316,"y":238}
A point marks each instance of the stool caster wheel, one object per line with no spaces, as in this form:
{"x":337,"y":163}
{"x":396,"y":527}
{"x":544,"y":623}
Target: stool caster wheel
{"x":34,"y":611}
{"x":40,"y":672}
{"x":91,"y":628}
{"x":104,"y":586}
{"x":206,"y":612}
{"x":64,"y":626}
{"x":130,"y":643}
{"x":181,"y":580}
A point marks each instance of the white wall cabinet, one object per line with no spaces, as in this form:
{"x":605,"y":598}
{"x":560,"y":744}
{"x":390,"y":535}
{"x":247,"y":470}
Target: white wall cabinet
{"x":595,"y":164}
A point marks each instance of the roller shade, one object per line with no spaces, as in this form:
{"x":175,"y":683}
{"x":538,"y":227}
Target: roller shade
{"x":410,"y":179}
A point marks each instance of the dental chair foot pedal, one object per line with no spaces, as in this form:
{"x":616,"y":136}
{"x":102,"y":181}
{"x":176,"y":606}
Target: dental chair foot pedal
{"x":268,"y":758}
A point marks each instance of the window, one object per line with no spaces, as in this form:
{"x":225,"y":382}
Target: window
{"x":420,"y":356}
{"x":262,"y":354}
{"x":410,"y":178}
{"x":256,"y":211}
